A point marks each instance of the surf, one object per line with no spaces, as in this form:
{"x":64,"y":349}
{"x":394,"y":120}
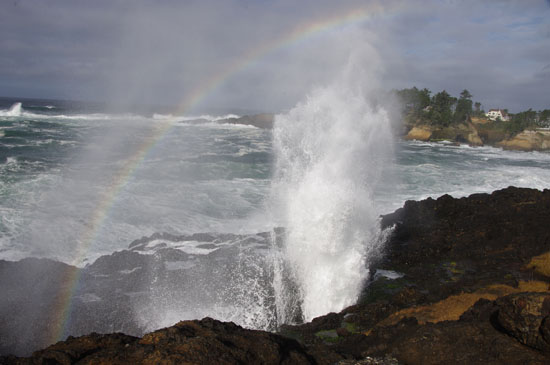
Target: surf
{"x":13,"y":111}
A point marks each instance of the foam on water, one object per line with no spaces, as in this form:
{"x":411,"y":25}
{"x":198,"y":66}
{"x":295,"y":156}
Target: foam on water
{"x":186,"y":118}
{"x":216,"y":125}
{"x":15,"y":110}
{"x":330,"y":151}
{"x":327,"y":155}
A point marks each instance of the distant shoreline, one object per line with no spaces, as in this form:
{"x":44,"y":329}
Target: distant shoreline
{"x":480,"y":134}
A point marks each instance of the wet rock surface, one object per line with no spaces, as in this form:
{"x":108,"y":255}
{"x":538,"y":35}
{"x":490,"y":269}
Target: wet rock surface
{"x":526,"y":317}
{"x":464,"y":283}
{"x":190,"y":342}
{"x":460,"y":281}
{"x":263,"y":121}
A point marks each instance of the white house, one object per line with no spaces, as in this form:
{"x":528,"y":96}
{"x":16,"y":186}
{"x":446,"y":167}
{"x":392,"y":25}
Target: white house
{"x":494,"y":114}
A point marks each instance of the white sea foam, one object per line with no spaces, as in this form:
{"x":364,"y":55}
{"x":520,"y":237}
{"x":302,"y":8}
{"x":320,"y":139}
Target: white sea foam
{"x":44,"y":106}
{"x":388,"y":274}
{"x":13,"y":111}
{"x":187,"y":118}
{"x":189,"y":247}
{"x":212,"y":118}
{"x":216,"y":125}
{"x":16,"y":110}
{"x":89,"y":298}
{"x":179,"y":265}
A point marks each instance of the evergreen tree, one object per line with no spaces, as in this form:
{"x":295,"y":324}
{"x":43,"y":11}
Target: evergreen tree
{"x":544,"y":118}
{"x":521,"y":121}
{"x":477,"y":110}
{"x":441,"y":113}
{"x":424,"y":98}
{"x":414,"y":100}
{"x":463,"y":107}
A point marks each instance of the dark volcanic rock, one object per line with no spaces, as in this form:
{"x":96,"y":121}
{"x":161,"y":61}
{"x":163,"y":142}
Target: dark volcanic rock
{"x":526,"y":316}
{"x":190,"y":342}
{"x":451,"y":254}
{"x":264,"y":121}
{"x":31,"y":291}
{"x":469,"y":242}
{"x":472,"y":339}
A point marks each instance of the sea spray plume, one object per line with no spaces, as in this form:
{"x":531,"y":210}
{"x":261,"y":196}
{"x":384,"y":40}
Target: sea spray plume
{"x":330,"y":152}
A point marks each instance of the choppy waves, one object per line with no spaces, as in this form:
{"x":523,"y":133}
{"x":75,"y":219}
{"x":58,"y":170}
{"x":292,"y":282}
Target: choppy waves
{"x":204,"y":175}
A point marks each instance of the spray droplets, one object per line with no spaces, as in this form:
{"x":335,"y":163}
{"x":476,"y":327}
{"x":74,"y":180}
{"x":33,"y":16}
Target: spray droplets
{"x":330,"y":152}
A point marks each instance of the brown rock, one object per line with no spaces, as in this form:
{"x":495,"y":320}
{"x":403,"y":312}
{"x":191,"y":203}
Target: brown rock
{"x":470,"y":340}
{"x":528,"y":141}
{"x":525,"y":316}
{"x":472,"y":136}
{"x":190,"y":342}
{"x":419,"y":133}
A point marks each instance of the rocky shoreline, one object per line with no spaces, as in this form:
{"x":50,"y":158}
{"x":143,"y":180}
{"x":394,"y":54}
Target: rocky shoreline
{"x":460,"y":281}
{"x":262,"y":121}
{"x":476,"y":134}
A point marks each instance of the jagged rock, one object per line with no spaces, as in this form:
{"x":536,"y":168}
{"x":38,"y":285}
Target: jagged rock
{"x":264,"y":121}
{"x":387,"y":360}
{"x":419,"y":133}
{"x":30,"y":292}
{"x":461,"y":133}
{"x":456,"y":258}
{"x":189,"y":342}
{"x":526,"y":316}
{"x":528,"y":141}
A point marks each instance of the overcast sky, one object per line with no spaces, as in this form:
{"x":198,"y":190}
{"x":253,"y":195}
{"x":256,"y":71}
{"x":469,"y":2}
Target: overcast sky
{"x":164,"y":51}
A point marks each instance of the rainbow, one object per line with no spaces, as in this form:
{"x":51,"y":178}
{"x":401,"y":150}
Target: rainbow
{"x":61,"y":308}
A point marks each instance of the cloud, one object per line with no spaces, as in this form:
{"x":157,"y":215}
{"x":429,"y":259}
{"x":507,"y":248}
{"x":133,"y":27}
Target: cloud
{"x":162,"y":52}
{"x":493,"y":49}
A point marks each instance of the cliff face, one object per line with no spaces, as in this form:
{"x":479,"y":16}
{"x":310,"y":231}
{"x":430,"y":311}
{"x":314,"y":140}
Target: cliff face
{"x":464,"y":133}
{"x":461,"y":281}
{"x":479,"y":132}
{"x":420,"y":133}
{"x":528,"y":141}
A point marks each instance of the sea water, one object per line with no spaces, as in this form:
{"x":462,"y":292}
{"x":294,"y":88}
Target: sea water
{"x":56,"y":165}
{"x":77,"y":183}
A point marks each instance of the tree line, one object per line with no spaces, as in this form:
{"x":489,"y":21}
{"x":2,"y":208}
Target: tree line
{"x":443,"y":109}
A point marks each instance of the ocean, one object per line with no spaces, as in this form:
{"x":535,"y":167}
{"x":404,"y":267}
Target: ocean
{"x":77,"y":183}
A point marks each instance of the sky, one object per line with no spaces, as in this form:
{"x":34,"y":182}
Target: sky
{"x":267,"y":55}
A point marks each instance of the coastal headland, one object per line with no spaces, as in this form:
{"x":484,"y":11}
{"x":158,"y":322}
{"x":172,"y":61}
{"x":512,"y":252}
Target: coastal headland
{"x":473,"y":130}
{"x":479,"y":132}
{"x":458,"y":281}
{"x":460,"y":120}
